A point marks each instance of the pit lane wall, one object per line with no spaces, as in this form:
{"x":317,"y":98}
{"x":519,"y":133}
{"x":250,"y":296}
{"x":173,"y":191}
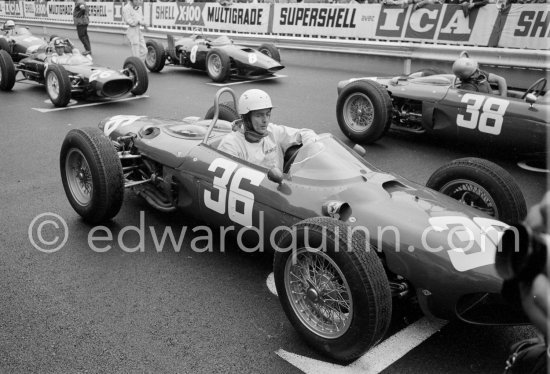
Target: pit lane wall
{"x":434,"y":27}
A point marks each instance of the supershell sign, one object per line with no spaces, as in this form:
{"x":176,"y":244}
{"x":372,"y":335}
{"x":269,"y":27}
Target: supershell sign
{"x":437,"y":22}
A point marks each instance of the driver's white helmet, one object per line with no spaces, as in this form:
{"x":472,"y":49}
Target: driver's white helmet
{"x":464,"y":67}
{"x":9,"y":24}
{"x":254,"y":100}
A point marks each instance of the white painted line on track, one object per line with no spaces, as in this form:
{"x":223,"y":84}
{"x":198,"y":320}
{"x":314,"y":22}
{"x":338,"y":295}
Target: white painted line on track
{"x":275,"y":76}
{"x":47,"y":110}
{"x":378,"y":358}
{"x":270,"y":282}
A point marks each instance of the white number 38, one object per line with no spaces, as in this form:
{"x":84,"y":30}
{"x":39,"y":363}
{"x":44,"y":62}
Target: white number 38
{"x":489,"y":118}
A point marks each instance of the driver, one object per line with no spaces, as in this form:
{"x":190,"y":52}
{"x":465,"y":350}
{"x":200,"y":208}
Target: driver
{"x":473,"y":79}
{"x":260,"y":141}
{"x":9,"y":25}
{"x":60,"y":57}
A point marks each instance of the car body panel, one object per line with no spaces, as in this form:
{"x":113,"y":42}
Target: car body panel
{"x":225,"y":191}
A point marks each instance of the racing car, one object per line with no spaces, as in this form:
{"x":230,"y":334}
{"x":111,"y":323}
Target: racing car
{"x":428,"y":103}
{"x":18,"y":41}
{"x":76,"y":75}
{"x":220,"y":57}
{"x":326,"y":215}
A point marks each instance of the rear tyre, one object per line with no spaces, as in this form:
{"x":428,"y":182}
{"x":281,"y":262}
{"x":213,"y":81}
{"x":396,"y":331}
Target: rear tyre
{"x":218,"y":65}
{"x":58,"y":85}
{"x":481,"y":184}
{"x":7,"y":71}
{"x":333,"y":290}
{"x":91,"y":173}
{"x":156,"y":56}
{"x":227,"y":112}
{"x":270,"y":50}
{"x":135,"y":69}
{"x":364,"y":111}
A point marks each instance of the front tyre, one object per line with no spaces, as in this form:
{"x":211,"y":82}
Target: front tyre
{"x":91,"y":173}
{"x":481,"y":184}
{"x":156,"y":56}
{"x":334,"y":291}
{"x":135,"y":69}
{"x":7,"y":71}
{"x":218,"y":65}
{"x":364,"y":111}
{"x":58,"y":85}
{"x":270,"y":50}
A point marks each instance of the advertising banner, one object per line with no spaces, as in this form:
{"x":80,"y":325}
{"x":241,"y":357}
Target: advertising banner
{"x":240,"y":17}
{"x":60,"y":10}
{"x":527,"y":26}
{"x":357,"y":20}
{"x":14,"y":9}
{"x":2,"y":8}
{"x":40,"y":8}
{"x":29,"y":9}
{"x":437,"y":23}
{"x":100,"y":12}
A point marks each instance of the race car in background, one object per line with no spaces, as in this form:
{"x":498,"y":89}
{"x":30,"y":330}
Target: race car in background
{"x":76,"y":76}
{"x":18,"y":41}
{"x":434,"y":104}
{"x":220,"y":57}
{"x":338,"y":286}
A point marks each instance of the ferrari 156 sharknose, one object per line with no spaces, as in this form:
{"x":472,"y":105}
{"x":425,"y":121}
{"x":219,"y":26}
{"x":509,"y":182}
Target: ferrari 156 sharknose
{"x":350,"y":239}
{"x":435,"y":104}
{"x":73,"y":75}
{"x":220,"y":57}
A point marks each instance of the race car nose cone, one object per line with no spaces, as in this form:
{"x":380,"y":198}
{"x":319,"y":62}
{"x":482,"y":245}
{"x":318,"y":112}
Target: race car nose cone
{"x":312,"y":294}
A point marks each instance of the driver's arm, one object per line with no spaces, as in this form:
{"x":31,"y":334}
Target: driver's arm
{"x":288,"y":136}
{"x":501,"y":82}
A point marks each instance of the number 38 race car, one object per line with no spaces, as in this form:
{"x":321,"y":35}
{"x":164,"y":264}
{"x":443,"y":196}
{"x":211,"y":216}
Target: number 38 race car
{"x":349,"y":239}
{"x":434,"y":104}
{"x":219,"y":57}
{"x":72,"y":74}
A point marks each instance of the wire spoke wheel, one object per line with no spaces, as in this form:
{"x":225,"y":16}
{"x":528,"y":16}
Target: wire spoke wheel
{"x":53,"y":86}
{"x":151,"y":57}
{"x":358,"y":112}
{"x":319,"y":293}
{"x":79,"y":177}
{"x":472,"y":194}
{"x":215,"y":64}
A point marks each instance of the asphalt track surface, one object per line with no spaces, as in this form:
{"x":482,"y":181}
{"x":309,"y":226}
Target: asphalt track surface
{"x":79,"y":311}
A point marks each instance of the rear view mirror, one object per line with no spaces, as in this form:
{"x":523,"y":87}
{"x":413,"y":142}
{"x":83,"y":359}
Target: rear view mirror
{"x":531,"y":98}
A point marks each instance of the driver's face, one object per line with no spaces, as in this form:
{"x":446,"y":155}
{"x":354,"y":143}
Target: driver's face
{"x":60,"y":50}
{"x":260,"y":120}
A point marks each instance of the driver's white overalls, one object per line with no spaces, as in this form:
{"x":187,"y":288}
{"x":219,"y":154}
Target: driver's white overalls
{"x":269,"y":151}
{"x":133,"y":17}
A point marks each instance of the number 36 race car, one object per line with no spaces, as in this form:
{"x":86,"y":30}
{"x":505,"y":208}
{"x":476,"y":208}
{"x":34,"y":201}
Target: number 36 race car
{"x":219,"y":57}
{"x":73,"y":74}
{"x":360,"y":238}
{"x":434,"y":104}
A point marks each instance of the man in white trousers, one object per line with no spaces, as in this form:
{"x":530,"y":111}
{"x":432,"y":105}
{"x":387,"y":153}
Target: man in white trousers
{"x":133,"y":16}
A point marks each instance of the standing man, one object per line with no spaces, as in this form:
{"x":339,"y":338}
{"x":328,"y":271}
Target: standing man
{"x":81,"y":20}
{"x":132,"y":15}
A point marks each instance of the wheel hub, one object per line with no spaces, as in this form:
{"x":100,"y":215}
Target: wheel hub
{"x":312,"y":294}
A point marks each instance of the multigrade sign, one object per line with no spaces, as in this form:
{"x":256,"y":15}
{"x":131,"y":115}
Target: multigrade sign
{"x":237,"y":17}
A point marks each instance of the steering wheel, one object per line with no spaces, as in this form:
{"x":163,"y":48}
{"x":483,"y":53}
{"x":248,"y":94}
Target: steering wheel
{"x":541,"y":82}
{"x":290,"y":156}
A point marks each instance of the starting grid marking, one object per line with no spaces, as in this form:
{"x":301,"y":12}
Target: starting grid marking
{"x":275,"y":76}
{"x":75,"y":106}
{"x":375,"y":360}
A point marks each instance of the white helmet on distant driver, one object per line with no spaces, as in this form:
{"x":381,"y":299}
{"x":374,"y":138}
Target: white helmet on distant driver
{"x":9,"y":24}
{"x":254,"y":100}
